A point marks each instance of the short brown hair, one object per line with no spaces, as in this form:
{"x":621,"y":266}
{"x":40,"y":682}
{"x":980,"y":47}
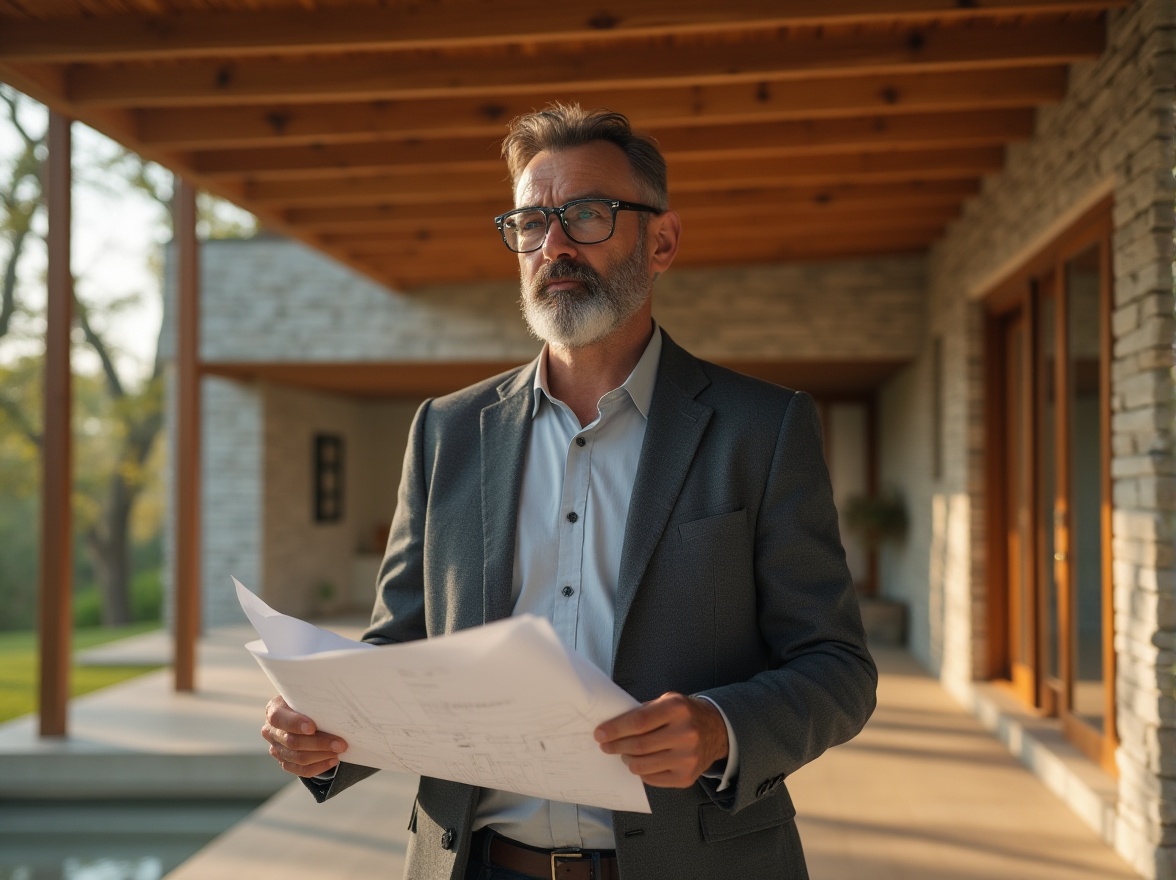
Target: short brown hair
{"x":563,"y":126}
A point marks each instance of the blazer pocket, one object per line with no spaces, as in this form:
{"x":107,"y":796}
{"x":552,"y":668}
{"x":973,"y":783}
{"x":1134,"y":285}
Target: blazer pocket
{"x":718,"y":824}
{"x":697,"y":528}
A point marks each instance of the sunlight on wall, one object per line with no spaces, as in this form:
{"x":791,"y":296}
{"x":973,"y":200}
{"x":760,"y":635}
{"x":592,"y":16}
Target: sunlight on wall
{"x":950,"y":587}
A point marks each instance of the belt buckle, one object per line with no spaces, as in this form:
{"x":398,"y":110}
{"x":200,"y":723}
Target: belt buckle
{"x":566,"y":854}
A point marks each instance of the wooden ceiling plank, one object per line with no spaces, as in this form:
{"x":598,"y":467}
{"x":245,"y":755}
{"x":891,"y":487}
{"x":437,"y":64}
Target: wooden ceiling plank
{"x":686,"y":175}
{"x":730,"y":231}
{"x":469,"y":244}
{"x":243,"y":33}
{"x":816,"y":55}
{"x":777,"y":139}
{"x":197,"y":128}
{"x":445,"y":191}
{"x":820,"y":199}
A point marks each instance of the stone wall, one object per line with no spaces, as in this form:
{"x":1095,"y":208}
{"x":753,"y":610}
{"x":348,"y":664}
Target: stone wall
{"x":275,"y":300}
{"x":1113,"y":135}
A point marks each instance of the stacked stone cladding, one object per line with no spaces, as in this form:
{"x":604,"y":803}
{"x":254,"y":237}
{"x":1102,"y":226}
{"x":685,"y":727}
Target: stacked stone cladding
{"x":274,"y":300}
{"x":1113,"y":134}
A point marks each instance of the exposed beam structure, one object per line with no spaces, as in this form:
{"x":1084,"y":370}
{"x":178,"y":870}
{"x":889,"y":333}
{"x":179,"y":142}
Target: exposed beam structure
{"x":199,"y":128}
{"x":762,"y":57}
{"x":454,"y":24}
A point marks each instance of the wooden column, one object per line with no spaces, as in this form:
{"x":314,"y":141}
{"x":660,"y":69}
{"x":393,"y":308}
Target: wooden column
{"x":187,"y":464}
{"x":56,"y":556}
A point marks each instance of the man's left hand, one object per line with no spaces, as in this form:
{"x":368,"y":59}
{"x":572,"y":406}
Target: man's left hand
{"x":669,"y":742}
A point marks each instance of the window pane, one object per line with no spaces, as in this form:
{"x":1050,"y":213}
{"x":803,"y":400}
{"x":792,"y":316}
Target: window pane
{"x":1083,"y":277}
{"x":1047,"y":477}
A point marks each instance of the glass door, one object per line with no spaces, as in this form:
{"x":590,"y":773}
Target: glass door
{"x":1051,"y":347}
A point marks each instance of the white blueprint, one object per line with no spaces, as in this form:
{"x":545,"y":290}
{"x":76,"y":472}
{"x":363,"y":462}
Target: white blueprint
{"x":503,"y":706}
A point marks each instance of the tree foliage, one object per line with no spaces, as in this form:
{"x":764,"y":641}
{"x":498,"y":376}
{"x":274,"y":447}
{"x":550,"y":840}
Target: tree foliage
{"x":117,"y":416}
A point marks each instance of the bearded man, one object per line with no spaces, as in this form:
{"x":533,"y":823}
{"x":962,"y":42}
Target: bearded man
{"x":672,"y":519}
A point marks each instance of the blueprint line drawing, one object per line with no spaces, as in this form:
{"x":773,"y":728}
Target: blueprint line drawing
{"x":502,"y":706}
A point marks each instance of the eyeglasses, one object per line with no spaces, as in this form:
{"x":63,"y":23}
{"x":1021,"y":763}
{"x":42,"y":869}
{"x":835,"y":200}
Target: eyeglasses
{"x":584,"y":221}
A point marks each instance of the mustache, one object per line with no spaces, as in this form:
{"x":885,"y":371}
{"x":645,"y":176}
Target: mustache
{"x":564,"y":270}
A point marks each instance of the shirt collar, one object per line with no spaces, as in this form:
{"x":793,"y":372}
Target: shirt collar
{"x":639,"y":385}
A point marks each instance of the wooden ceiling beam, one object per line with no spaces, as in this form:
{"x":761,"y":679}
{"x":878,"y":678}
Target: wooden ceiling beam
{"x":686,"y":175}
{"x":729,"y":229}
{"x":243,"y":33}
{"x":204,"y":128}
{"x":826,"y":200}
{"x":776,"y":139}
{"x":419,"y":75}
{"x":467,"y":244}
{"x":429,"y":267}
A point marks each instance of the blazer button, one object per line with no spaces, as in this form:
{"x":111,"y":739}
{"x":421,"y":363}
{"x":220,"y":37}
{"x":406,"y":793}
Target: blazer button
{"x":447,"y":839}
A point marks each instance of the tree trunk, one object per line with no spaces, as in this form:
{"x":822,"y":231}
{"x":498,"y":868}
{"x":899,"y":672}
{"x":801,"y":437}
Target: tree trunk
{"x":109,"y":546}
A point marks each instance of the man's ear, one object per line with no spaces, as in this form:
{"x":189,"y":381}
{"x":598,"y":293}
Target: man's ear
{"x":664,"y":232}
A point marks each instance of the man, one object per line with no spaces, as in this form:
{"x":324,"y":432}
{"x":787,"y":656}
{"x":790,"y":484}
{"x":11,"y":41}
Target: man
{"x":672,"y":519}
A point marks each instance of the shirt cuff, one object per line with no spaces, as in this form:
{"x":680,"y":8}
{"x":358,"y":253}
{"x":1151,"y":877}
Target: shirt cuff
{"x":725,"y":774}
{"x":330,"y":774}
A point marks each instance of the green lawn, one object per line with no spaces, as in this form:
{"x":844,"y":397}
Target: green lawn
{"x":19,"y":667}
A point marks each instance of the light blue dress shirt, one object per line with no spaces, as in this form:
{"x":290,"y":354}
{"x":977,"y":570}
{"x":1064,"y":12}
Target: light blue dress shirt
{"x":573,"y":505}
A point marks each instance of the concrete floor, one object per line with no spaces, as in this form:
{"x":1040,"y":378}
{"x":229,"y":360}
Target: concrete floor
{"x":924,"y":792}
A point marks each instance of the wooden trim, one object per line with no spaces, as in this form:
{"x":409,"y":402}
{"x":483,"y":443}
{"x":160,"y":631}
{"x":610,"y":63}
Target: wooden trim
{"x":201,"y":128}
{"x":1110,"y":660}
{"x":188,"y":427}
{"x":55,"y":618}
{"x":241,"y":33}
{"x":826,"y":380}
{"x":1000,"y":285}
{"x":924,"y":131}
{"x":790,"y":57}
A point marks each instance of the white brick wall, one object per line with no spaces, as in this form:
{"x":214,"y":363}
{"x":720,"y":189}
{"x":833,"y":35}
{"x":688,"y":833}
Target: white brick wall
{"x":1113,"y":133}
{"x":276,"y":300}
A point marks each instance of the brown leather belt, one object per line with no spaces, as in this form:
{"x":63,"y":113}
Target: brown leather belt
{"x":572,"y":864}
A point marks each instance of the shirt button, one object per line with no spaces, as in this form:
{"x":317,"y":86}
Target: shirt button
{"x":567,"y":591}
{"x":580,"y":441}
{"x":572,"y":517}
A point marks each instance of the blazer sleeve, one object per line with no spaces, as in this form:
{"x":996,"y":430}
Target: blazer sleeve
{"x":820,"y":684}
{"x":399,"y":612}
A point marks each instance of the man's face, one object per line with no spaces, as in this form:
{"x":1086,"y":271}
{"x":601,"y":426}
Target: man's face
{"x":575,"y":294}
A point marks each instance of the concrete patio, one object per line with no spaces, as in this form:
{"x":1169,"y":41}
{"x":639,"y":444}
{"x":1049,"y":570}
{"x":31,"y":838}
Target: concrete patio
{"x":925,"y":792}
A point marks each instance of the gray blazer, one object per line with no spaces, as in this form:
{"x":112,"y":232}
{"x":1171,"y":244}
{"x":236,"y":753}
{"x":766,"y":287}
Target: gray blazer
{"x":733,"y":584}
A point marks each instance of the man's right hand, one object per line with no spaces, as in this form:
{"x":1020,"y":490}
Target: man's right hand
{"x":296,"y":743}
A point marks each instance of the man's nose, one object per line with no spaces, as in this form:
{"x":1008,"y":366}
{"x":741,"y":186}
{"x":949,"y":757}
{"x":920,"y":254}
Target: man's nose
{"x":556,"y":244}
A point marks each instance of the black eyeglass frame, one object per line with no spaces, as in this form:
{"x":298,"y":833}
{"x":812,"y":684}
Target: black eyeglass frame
{"x":613,"y":204}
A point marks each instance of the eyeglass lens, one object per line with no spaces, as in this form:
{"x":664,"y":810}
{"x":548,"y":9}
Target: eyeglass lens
{"x":586,"y":222}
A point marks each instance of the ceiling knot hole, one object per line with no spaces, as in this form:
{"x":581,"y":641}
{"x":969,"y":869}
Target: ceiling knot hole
{"x":916,"y":41}
{"x":603,"y":21}
{"x":890,"y":95}
{"x":278,"y":122}
{"x":763,"y":92}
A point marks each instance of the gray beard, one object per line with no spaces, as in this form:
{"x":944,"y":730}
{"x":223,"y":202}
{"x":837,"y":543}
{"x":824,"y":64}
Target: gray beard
{"x":579,"y":318}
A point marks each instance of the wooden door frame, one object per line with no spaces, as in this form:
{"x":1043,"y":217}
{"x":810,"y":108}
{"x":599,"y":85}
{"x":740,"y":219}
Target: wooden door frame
{"x":1016,"y":293}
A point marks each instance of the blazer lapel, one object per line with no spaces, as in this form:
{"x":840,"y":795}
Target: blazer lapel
{"x":676,"y":424}
{"x":504,"y":446}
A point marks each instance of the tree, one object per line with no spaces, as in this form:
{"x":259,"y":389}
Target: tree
{"x":113,"y":460}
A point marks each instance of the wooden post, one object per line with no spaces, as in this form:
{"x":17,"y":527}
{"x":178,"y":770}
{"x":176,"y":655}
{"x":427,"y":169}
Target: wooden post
{"x":56,"y":550}
{"x":187,"y":478}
